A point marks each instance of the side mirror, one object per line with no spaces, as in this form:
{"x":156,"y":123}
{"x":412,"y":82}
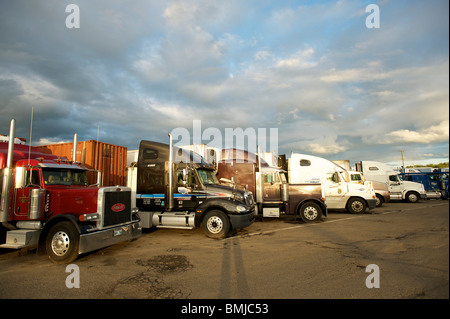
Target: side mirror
{"x":183,"y":190}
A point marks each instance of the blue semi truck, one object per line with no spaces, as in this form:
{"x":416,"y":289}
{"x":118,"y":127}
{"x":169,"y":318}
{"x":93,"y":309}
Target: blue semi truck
{"x":435,"y":183}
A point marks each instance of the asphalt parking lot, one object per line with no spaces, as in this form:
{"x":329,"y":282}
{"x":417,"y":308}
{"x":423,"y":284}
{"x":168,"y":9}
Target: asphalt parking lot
{"x":397,"y":251}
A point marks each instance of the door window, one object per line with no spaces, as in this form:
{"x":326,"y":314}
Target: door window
{"x":333,"y":177}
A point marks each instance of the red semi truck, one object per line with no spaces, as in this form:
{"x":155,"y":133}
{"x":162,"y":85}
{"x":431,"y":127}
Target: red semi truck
{"x":46,"y":202}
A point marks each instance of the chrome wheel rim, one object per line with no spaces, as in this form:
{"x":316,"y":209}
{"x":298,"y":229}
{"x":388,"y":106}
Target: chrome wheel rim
{"x":214,"y":224}
{"x":310,"y":213}
{"x":357,"y":206}
{"x":60,"y":243}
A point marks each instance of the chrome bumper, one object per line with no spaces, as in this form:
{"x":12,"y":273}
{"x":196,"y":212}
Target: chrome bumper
{"x":104,"y":238}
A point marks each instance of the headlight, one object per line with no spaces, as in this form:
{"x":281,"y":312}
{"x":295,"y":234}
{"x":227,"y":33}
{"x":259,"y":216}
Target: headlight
{"x":248,"y":198}
{"x":241,"y":209}
{"x":238,"y":197}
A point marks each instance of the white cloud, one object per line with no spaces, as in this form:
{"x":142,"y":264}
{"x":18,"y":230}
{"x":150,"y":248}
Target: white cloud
{"x":47,"y":141}
{"x":315,"y":141}
{"x":302,"y":59}
{"x":262,"y":55}
{"x":180,"y":14}
{"x":326,"y":149}
{"x":432,"y":134}
{"x":354,"y":75}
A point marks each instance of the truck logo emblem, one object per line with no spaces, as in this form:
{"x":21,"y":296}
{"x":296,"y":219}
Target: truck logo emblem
{"x":118,"y":207}
{"x":23,"y":199}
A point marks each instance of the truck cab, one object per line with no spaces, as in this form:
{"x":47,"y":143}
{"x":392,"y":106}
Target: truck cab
{"x":47,"y":203}
{"x":175,"y":188}
{"x":274,"y":195}
{"x":399,"y":190}
{"x":381,"y":189}
{"x":435,"y":183}
{"x":340,"y":193}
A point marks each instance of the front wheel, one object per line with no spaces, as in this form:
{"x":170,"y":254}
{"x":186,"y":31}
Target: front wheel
{"x":356,"y":206}
{"x":310,"y":212}
{"x":380,"y":200}
{"x":216,"y":224}
{"x":62,"y":243}
{"x":412,"y":197}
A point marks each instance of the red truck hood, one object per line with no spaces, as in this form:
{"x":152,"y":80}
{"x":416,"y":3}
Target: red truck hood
{"x":75,"y":200}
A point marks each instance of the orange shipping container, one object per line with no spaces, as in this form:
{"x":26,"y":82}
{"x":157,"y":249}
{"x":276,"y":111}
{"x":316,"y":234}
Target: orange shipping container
{"x":109,"y":159}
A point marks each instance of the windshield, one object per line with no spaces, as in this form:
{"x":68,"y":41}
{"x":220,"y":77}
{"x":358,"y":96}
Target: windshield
{"x":394,"y":178}
{"x":56,"y":176}
{"x":356,"y":178}
{"x":207,"y":177}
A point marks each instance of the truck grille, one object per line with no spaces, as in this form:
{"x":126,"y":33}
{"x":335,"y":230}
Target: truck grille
{"x":117,"y":209}
{"x":248,"y":199}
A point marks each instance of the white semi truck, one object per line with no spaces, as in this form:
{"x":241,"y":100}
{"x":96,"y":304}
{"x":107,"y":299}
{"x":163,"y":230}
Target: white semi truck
{"x":398,"y":189}
{"x":340,"y":193}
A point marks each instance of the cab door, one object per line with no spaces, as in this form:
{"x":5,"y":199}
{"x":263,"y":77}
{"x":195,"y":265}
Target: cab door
{"x":272,"y":187}
{"x":395,"y":187}
{"x":335,"y":190}
{"x":183,"y":194}
{"x":22,"y":194}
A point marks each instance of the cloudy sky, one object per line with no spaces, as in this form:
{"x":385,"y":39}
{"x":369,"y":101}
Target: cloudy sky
{"x":312,"y":69}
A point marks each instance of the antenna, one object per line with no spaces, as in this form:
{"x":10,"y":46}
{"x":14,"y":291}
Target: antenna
{"x":31,"y":132}
{"x":403,"y":162}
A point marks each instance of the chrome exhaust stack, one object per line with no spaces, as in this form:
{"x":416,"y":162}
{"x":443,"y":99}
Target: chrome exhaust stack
{"x":170,"y":190}
{"x":5,"y":214}
{"x":75,"y":143}
{"x":259,"y":181}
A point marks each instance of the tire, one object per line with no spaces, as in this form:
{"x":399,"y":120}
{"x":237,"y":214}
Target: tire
{"x":412,"y":197}
{"x":380,"y":200}
{"x":62,"y":243}
{"x":310,"y":212}
{"x":3,"y":232}
{"x":356,"y":206}
{"x":216,"y":224}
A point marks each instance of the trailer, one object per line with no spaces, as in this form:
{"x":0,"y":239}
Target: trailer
{"x":106,"y":162}
{"x":47,"y":203}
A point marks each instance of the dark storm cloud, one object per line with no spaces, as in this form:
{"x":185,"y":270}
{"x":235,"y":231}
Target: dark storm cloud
{"x":138,"y":69}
